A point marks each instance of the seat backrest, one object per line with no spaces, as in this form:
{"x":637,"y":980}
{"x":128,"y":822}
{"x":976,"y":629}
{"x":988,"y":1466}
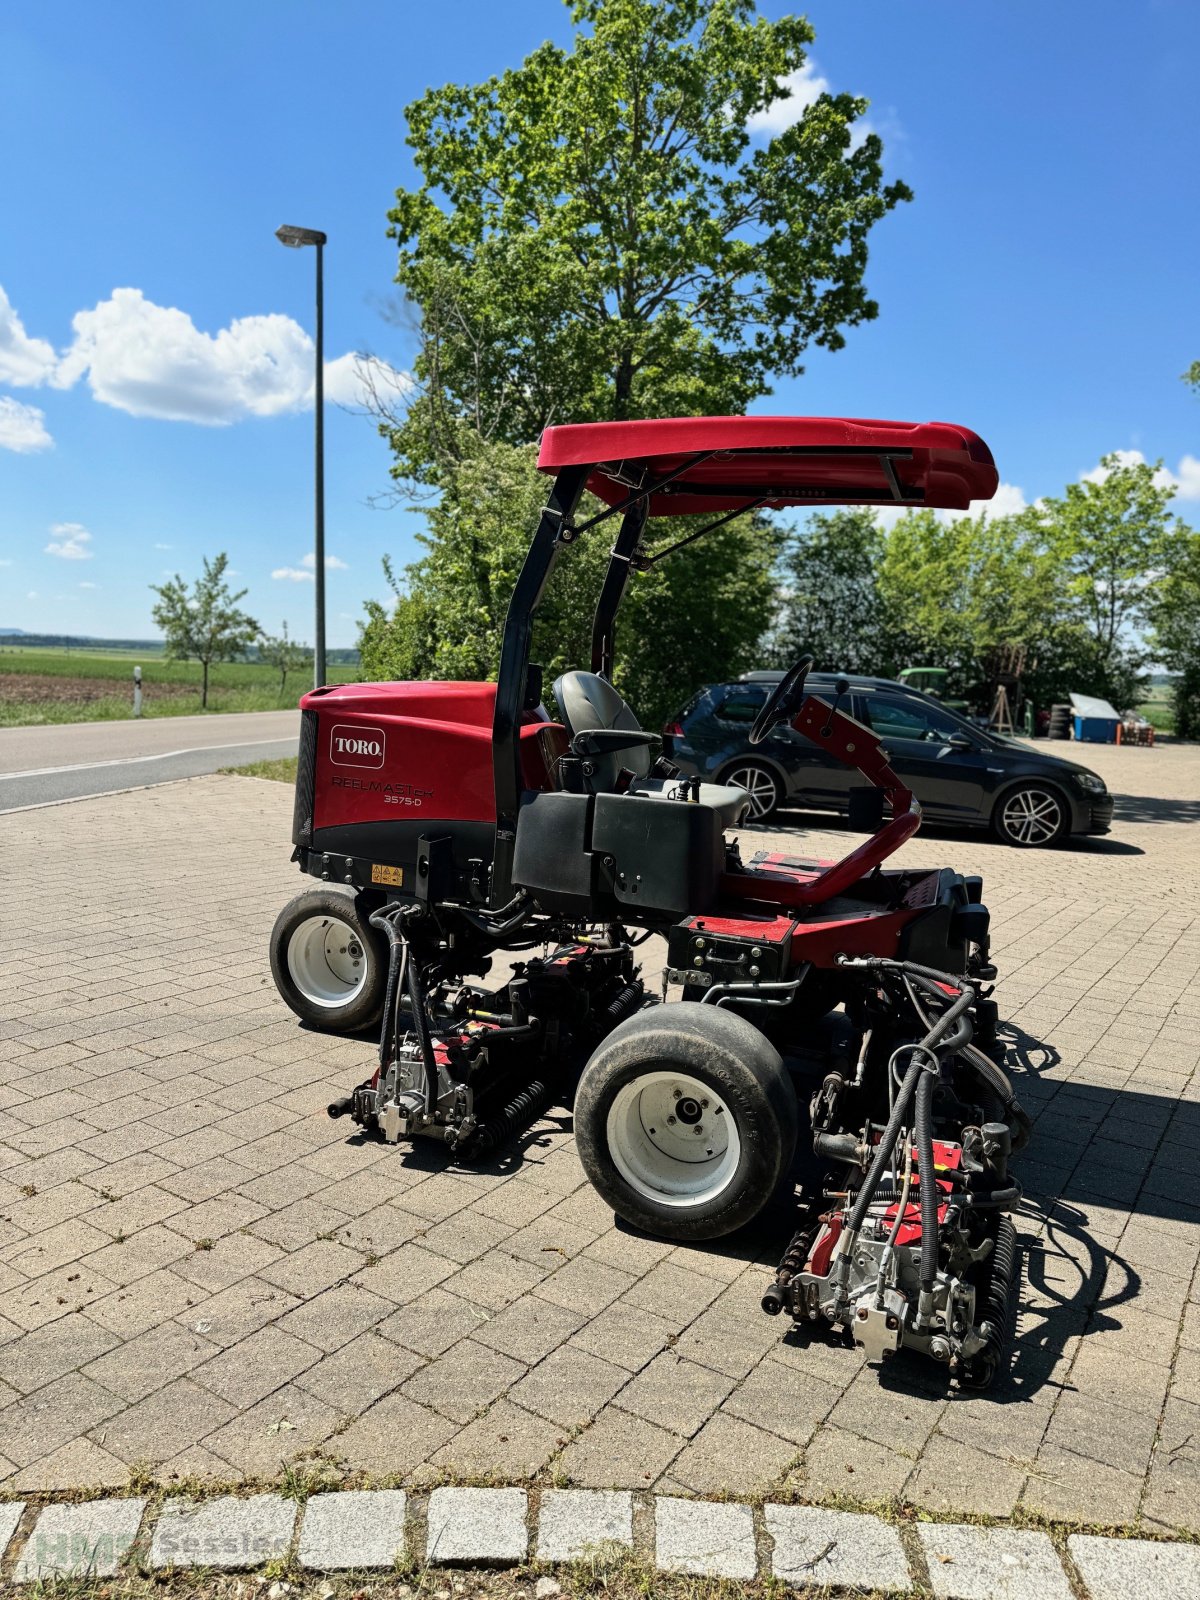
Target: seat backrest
{"x":588,"y":701}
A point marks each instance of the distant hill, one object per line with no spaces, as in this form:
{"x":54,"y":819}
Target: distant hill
{"x":147,"y":647}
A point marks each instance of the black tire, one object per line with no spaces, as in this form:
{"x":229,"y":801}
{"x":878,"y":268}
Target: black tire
{"x":761,"y":783}
{"x":1022,"y":809}
{"x":301,"y":969}
{"x":714,"y":1049}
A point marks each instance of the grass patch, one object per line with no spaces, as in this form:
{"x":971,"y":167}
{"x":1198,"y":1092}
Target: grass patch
{"x":281,"y":771}
{"x":47,"y":686}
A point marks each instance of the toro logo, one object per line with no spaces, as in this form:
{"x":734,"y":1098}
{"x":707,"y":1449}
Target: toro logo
{"x":352,"y":745}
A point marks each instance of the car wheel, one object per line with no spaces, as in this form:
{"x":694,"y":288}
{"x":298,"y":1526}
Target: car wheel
{"x":761,"y":784}
{"x":686,"y":1121}
{"x":329,"y":964}
{"x":1031,"y":815}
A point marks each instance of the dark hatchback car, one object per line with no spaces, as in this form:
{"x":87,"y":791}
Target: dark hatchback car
{"x":961,"y":774}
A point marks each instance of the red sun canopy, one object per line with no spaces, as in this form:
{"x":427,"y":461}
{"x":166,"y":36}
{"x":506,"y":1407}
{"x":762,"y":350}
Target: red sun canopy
{"x":718,"y":464}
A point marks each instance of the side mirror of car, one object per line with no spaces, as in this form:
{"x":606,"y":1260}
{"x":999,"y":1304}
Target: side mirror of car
{"x":961,"y":741}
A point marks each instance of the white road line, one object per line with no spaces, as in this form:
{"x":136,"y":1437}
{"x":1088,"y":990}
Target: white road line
{"x":126,"y":761}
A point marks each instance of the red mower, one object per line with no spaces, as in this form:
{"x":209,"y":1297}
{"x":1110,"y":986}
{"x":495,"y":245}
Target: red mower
{"x":449,"y":823}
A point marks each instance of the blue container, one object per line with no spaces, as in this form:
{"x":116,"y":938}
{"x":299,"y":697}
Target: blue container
{"x":1097,"y":730}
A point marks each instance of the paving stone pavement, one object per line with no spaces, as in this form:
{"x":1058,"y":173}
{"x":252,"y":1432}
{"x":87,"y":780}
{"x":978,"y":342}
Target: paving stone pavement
{"x":201,"y":1274}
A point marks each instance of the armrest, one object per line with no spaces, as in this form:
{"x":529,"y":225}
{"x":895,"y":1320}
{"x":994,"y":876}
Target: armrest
{"x":602,"y":741}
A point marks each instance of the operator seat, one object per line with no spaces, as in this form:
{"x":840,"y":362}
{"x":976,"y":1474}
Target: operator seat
{"x":588,"y":702}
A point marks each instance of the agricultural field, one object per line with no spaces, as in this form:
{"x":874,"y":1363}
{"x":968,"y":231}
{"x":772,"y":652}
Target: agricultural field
{"x":57,"y":685}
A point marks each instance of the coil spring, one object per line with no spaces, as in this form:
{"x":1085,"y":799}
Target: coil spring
{"x":625,"y":1004}
{"x":999,"y":1309}
{"x":528,"y":1103}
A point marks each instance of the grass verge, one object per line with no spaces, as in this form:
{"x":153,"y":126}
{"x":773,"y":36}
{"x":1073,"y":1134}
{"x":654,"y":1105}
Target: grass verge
{"x":281,"y":771}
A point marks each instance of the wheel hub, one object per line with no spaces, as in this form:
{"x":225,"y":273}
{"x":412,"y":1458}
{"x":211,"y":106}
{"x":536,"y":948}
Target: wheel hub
{"x":326,"y":961}
{"x":672,"y":1139}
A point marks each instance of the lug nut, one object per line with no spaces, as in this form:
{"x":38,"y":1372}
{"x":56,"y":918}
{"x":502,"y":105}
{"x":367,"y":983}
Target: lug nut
{"x":678,"y":1093}
{"x":671,"y":1120}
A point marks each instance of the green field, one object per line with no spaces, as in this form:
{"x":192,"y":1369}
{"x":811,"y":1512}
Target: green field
{"x":56,"y":685}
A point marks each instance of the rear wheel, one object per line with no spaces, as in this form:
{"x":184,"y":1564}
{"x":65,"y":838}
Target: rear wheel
{"x":761,"y":784}
{"x":686,"y":1121}
{"x":1030,"y":815}
{"x":329,"y":964}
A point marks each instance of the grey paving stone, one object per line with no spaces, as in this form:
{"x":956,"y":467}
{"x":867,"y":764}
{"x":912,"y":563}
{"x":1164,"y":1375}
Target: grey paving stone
{"x":573,"y":1522}
{"x":477,"y":1525}
{"x":845,"y":1548}
{"x":971,"y":1563}
{"x":226,"y":1532}
{"x":361,"y":1528}
{"x":10,"y":1516}
{"x":1136,"y":1569}
{"x":713,"y":1540}
{"x":89,"y":1538}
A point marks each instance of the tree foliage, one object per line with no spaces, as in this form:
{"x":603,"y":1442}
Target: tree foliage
{"x":597,"y":234}
{"x":1174,"y":614}
{"x":205,"y":625}
{"x":830,"y":606}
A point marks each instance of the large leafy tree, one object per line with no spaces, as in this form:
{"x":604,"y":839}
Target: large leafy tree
{"x":1112,"y":536}
{"x":601,"y":232}
{"x":204,"y":625}
{"x":830,"y":607}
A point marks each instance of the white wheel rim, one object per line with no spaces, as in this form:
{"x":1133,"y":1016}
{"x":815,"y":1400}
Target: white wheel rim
{"x":1032,"y":816}
{"x":759,"y":785}
{"x":327,"y":962}
{"x":672,"y":1139}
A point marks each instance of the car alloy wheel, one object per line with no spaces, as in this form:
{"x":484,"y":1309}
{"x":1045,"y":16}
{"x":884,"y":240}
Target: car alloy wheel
{"x":1031,"y":816}
{"x":760,"y":784}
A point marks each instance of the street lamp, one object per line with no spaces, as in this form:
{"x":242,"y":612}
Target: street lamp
{"x":296,"y":239}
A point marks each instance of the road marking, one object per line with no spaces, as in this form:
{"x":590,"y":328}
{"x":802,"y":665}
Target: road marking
{"x":127,"y":761}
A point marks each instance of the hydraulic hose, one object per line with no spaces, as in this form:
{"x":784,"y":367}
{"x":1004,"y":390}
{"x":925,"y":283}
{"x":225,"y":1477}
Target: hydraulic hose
{"x":416,"y":1002}
{"x":997,"y":1079}
{"x":386,"y":922}
{"x":928,"y":1192}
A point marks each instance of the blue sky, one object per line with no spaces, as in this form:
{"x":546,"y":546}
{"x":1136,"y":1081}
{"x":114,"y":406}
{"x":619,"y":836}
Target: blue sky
{"x":1041,"y":288}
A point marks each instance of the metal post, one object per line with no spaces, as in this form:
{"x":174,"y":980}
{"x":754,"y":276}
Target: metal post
{"x":137,"y":691}
{"x":319,"y":441}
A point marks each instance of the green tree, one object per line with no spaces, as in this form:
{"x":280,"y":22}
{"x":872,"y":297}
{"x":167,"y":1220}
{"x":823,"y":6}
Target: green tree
{"x":694,"y":617}
{"x":597,"y":234}
{"x":205,"y":625}
{"x":830,"y":607}
{"x":1111,"y":536}
{"x":1174,"y":615}
{"x":285,"y":654}
{"x":1192,"y":376}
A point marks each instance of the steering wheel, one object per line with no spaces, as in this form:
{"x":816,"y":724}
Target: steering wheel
{"x":784,"y":700}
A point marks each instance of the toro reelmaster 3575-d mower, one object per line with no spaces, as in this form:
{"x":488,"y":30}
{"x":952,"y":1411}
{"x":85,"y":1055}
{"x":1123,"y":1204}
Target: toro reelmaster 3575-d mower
{"x":450,"y":822}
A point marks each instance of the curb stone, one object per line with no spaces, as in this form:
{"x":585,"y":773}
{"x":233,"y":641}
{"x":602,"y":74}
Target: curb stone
{"x":367,"y":1529}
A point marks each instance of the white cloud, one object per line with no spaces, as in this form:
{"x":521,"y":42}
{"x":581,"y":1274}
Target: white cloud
{"x":86,"y":585}
{"x":22,"y":428}
{"x":70,"y":540}
{"x":22,"y":360}
{"x":152,"y":361}
{"x":1185,"y":482}
{"x":1007,"y":501}
{"x":164,"y":547}
{"x":293,"y":574}
{"x":804,"y":86}
{"x":331,"y":563}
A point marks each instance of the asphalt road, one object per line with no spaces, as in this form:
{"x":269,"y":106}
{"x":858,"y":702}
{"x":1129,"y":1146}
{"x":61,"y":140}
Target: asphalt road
{"x":72,"y":761}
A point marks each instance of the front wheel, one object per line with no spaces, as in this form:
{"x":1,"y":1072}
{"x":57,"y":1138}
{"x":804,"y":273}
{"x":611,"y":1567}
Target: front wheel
{"x":1030,"y":815}
{"x":761,"y":784}
{"x":686,"y":1121}
{"x":329,"y":964}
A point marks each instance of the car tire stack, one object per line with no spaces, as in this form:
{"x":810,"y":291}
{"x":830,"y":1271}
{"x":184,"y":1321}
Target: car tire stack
{"x":1060,"y":723}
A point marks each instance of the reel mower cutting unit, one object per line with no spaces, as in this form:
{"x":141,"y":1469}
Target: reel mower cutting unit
{"x":450,"y":824}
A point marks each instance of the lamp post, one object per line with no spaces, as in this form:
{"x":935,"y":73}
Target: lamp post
{"x":296,"y":239}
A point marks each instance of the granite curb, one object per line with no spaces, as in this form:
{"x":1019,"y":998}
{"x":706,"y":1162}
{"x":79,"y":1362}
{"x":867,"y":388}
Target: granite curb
{"x":373,"y":1530}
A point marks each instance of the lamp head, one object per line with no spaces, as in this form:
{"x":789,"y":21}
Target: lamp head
{"x":297,"y":238}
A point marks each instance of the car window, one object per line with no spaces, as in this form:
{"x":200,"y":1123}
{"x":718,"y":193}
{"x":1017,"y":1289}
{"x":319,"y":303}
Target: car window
{"x":908,"y":719}
{"x":742,"y":705}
